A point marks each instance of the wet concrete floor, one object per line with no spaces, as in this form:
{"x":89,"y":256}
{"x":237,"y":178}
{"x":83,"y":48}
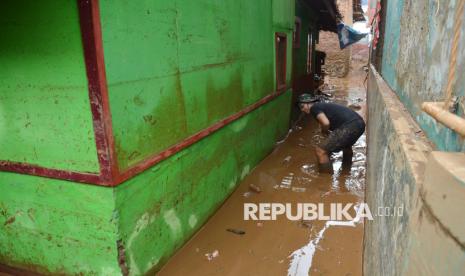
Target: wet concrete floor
{"x":288,"y":175}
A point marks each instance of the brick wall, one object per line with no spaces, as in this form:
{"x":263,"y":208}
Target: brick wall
{"x":337,"y":60}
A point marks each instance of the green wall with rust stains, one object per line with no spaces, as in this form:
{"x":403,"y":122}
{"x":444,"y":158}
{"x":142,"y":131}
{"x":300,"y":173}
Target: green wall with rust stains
{"x":60,"y":227}
{"x":308,"y":25}
{"x":168,"y":78}
{"x":45,"y":116}
{"x":160,"y":209}
{"x":176,"y":67}
{"x":57,"y":227}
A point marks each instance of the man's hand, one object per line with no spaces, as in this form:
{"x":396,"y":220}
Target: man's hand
{"x":324,"y":122}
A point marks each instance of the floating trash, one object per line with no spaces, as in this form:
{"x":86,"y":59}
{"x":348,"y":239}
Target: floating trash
{"x":247,"y":194}
{"x":236,"y":231}
{"x":255,"y":188}
{"x":211,"y":256}
{"x":287,"y":160}
{"x":310,"y":169}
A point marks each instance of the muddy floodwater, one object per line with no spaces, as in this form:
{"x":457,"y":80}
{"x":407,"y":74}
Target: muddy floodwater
{"x":230,"y":245}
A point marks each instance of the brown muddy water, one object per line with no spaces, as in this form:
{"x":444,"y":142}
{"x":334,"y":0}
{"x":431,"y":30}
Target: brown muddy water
{"x":229,"y":245}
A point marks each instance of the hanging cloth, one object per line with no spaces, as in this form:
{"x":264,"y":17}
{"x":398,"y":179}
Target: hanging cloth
{"x":347,"y":35}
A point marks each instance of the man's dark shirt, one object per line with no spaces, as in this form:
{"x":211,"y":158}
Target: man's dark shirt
{"x":337,"y":114}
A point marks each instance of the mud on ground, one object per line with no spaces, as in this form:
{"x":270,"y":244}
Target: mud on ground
{"x":229,"y":245}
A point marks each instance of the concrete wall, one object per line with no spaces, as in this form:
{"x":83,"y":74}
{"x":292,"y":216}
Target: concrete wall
{"x":337,"y":63}
{"x":416,"y":57}
{"x":428,"y":239}
{"x":403,"y":167}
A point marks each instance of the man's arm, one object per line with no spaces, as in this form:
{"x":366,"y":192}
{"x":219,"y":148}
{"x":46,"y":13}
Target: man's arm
{"x":324,"y":122}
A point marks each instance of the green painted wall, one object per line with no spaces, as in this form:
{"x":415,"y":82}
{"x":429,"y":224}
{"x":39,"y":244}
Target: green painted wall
{"x":58,"y":227}
{"x":53,"y":226}
{"x":176,"y":67}
{"x":44,"y":102}
{"x":308,"y":25}
{"x":161,"y":208}
{"x":169,"y":77}
{"x":283,"y":13}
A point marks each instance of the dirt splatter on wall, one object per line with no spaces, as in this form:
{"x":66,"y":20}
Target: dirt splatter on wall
{"x":415,"y":63}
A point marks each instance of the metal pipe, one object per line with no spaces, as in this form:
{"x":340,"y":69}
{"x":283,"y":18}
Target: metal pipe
{"x":450,"y":120}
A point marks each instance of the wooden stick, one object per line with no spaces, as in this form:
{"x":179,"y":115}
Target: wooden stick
{"x":450,"y":120}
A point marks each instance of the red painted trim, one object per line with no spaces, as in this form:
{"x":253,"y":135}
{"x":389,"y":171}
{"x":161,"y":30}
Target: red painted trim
{"x":91,"y":33}
{"x":24,"y":168}
{"x":280,"y":86}
{"x":151,"y":161}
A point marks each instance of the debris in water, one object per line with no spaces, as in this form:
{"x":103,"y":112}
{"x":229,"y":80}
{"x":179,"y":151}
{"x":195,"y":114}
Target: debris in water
{"x":317,"y":139}
{"x":236,"y":231}
{"x":297,"y":128}
{"x":259,"y":224}
{"x":255,"y":188}
{"x":298,"y":189}
{"x":247,"y":194}
{"x":287,"y":160}
{"x":211,"y":256}
{"x":306,"y":223}
{"x":310,"y":169}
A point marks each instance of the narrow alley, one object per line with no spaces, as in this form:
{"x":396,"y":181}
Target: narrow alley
{"x":288,"y":175}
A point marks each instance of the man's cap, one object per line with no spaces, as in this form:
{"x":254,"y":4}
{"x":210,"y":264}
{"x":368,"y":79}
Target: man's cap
{"x":306,"y":98}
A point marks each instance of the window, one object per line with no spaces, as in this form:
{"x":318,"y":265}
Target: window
{"x":309,"y":52}
{"x":281,"y":42}
{"x":296,"y":34}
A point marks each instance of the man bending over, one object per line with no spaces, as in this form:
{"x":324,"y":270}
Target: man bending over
{"x":343,"y":125}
